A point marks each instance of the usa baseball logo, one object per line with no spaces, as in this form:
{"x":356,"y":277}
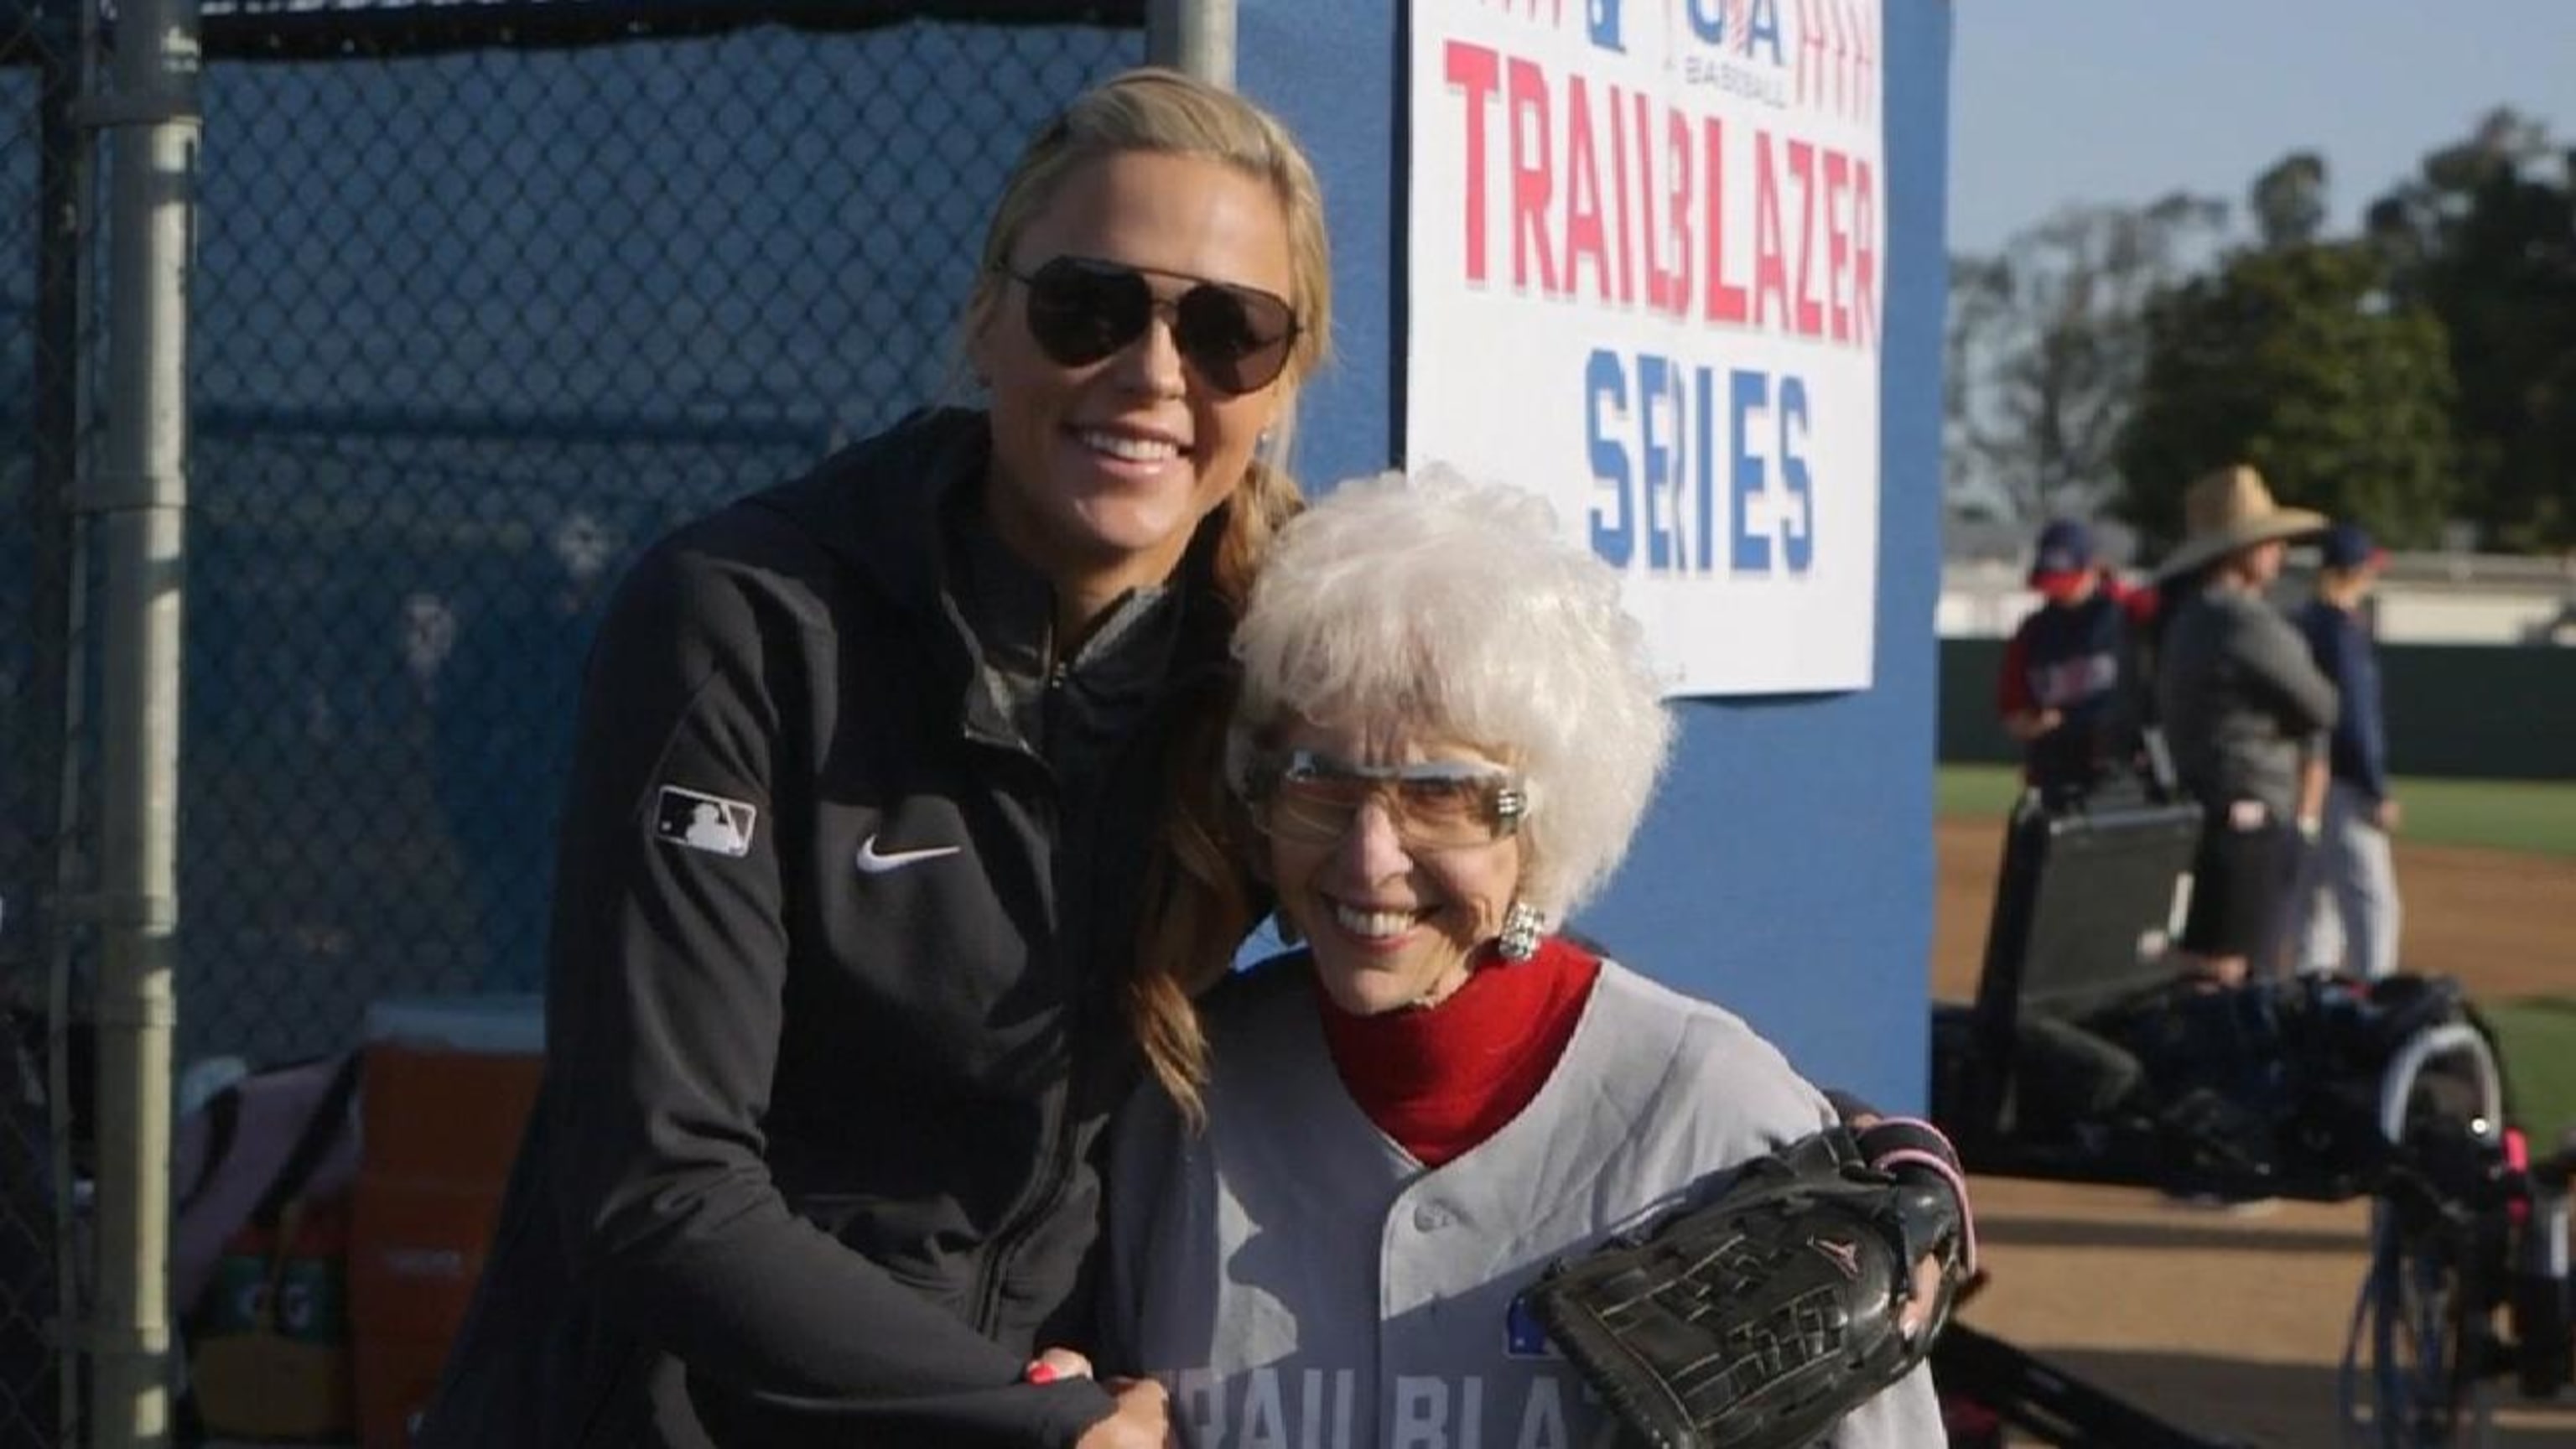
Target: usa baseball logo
{"x":1823,"y":53}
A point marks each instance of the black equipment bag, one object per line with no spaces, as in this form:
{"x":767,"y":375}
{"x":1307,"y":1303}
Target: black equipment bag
{"x":2086,"y":908}
{"x":2086,"y":1056}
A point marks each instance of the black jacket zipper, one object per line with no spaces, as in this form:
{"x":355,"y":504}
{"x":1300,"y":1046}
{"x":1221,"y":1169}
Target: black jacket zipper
{"x":1037,"y":1204}
{"x":1047,"y":1190}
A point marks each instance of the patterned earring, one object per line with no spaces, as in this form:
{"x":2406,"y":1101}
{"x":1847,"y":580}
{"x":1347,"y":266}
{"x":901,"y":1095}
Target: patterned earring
{"x":1519,"y":940}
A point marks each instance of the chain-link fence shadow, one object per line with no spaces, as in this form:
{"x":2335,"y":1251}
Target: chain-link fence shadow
{"x":44,"y":330}
{"x":470,"y":328}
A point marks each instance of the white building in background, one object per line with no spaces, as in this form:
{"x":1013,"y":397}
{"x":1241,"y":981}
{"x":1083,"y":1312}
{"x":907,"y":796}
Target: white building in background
{"x":2423,"y":598}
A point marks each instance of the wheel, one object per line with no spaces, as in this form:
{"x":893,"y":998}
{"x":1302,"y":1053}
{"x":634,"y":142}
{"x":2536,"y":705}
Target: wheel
{"x":2420,"y":1335}
{"x":2436,"y":1273}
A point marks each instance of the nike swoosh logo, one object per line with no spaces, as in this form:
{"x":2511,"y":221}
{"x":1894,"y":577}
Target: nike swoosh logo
{"x":873,"y":861}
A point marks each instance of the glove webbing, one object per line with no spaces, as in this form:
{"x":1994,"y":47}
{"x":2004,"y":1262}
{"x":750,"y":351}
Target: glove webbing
{"x":1895,"y":1144}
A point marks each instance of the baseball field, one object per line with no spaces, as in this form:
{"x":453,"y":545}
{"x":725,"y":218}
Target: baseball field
{"x":2228,"y":1324}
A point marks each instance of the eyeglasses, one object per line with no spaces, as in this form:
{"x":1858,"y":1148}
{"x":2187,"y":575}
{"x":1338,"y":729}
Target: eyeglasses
{"x":1433,"y":804}
{"x":1081,"y":310}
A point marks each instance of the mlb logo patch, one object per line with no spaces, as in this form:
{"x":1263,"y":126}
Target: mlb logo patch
{"x":710,"y":823}
{"x":1523,"y":1335}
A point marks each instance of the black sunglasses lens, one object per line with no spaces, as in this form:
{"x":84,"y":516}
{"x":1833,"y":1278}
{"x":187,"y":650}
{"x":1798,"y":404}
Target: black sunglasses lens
{"x":1082,"y":311}
{"x":1080,"y":314}
{"x":1237,"y":340}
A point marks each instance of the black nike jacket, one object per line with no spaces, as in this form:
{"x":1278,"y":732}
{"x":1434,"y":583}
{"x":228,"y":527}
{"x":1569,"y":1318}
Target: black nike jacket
{"x":831,"y":1022}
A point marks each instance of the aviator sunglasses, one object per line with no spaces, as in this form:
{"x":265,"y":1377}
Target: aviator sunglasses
{"x":1433,"y":804}
{"x":1082,"y":309}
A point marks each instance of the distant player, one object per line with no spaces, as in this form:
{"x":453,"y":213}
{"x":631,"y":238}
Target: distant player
{"x":2064,"y":690}
{"x":2347,"y":898}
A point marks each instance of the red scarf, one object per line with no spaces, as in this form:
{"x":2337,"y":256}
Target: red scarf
{"x":1444,"y":1078}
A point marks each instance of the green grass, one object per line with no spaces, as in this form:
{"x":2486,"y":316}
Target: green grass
{"x":1984,"y":791}
{"x":2537,"y":816}
{"x":2538,"y":1038}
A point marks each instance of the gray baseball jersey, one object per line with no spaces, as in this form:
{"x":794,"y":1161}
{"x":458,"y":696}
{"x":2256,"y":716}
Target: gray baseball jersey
{"x":1297,"y":1280}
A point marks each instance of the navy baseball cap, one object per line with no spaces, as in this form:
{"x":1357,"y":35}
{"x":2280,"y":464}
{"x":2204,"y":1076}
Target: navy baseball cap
{"x":2350,"y":546}
{"x":2064,"y":560}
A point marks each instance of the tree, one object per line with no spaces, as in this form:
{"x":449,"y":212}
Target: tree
{"x":2414,"y":223}
{"x":2288,"y":201}
{"x":2045,"y":344}
{"x":2299,"y":361}
{"x":2485,"y":236}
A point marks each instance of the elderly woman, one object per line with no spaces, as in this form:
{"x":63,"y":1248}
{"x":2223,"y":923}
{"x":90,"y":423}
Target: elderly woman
{"x":1446,"y":734}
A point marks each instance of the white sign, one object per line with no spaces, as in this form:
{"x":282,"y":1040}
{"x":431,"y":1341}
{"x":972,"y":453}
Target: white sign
{"x":1645,"y":264}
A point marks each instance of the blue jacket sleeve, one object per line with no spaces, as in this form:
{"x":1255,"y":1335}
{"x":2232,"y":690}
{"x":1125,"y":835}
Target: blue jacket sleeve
{"x":2343,"y":651}
{"x":2361,"y":739}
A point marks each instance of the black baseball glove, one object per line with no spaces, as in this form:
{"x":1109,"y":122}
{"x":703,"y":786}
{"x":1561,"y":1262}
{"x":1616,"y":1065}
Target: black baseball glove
{"x":1757,"y":1320}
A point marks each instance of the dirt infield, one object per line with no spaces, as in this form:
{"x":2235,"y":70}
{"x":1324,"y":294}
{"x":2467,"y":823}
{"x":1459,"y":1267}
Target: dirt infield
{"x":2503,"y":923}
{"x":2233,"y":1325}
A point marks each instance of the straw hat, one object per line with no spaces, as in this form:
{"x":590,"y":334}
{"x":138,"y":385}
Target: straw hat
{"x":2228,"y":510}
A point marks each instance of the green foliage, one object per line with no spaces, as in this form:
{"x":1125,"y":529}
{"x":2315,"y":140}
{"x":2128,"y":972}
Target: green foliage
{"x":2493,"y":252}
{"x":2485,"y":235}
{"x":2044,"y":344}
{"x":2298,"y":360}
{"x":2288,"y":201}
{"x":2113,"y":353}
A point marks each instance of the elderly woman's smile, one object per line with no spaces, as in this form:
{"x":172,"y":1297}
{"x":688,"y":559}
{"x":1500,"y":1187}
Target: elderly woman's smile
{"x":1389,"y":855}
{"x":1375,"y":923}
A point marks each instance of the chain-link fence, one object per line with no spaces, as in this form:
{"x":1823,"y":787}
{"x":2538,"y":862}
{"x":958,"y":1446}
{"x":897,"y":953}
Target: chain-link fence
{"x":44,"y":333}
{"x":485,"y":297}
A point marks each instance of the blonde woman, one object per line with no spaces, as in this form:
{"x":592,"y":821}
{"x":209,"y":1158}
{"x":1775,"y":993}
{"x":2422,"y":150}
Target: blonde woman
{"x":851,"y":956}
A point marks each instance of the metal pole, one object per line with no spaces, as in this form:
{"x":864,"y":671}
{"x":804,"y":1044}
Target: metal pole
{"x":1195,"y":37}
{"x":137,"y":507}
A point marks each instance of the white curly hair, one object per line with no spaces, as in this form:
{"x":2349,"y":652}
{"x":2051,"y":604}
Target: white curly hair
{"x":1439,"y":607}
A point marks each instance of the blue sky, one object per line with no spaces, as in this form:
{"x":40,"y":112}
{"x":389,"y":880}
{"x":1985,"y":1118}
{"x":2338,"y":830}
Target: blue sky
{"x":2056,"y":101}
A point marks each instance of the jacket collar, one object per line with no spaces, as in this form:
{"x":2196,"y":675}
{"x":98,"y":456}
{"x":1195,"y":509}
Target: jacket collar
{"x":879,"y":504}
{"x":875,"y":505}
